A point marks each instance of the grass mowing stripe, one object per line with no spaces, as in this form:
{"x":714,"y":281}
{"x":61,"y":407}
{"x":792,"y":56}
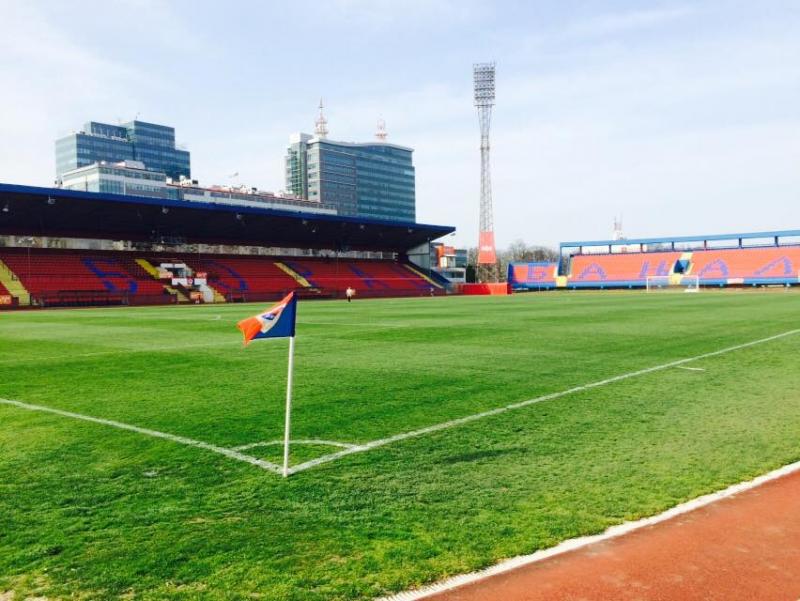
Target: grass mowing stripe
{"x":165,"y":349}
{"x":374,"y":444}
{"x":349,"y":450}
{"x":154,"y":349}
{"x":230,"y":453}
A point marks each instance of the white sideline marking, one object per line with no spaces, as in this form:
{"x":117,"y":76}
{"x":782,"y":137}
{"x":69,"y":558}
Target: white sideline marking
{"x":584,"y":541}
{"x":231,"y":453}
{"x":314,"y":441}
{"x":548,"y":397}
{"x":690,"y":368}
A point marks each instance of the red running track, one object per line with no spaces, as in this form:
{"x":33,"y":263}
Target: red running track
{"x":746,"y":547}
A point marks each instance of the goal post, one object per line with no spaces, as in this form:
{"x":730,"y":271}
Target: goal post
{"x":680,"y":283}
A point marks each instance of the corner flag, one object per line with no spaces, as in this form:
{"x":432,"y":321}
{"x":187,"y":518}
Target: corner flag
{"x":276,"y":322}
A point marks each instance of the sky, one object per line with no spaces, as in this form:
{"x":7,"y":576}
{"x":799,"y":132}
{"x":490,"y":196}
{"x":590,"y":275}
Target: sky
{"x":683,"y":118}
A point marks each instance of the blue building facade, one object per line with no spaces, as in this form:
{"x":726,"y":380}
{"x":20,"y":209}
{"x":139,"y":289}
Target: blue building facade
{"x":153,"y":145}
{"x":374,"y":180}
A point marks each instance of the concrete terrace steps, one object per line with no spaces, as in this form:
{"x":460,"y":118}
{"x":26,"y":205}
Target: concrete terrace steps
{"x":149,"y":268}
{"x":15,"y":288}
{"x":289,"y":271}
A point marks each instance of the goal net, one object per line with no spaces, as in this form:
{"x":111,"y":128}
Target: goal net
{"x":662,"y":283}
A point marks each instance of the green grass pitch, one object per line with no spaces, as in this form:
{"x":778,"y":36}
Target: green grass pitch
{"x":91,"y":511}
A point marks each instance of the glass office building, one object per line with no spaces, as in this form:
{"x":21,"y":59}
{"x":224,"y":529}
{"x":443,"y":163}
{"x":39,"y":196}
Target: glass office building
{"x":151,"y":144}
{"x":367,"y":180}
{"x":132,"y":179}
{"x":127,"y":177}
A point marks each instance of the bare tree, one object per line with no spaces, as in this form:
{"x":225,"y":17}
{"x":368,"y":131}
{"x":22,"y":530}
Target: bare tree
{"x":517,"y":251}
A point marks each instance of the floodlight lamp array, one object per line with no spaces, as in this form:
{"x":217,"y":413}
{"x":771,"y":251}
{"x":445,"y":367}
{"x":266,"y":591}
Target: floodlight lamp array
{"x":483,"y":77}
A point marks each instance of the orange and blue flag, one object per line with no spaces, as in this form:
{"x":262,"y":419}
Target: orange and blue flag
{"x":275,"y":322}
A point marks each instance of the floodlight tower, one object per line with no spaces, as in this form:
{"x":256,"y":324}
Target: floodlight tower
{"x":483,"y":77}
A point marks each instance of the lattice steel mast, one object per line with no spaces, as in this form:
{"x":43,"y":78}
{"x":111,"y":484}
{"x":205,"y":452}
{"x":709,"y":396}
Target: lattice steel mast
{"x":483,"y":77}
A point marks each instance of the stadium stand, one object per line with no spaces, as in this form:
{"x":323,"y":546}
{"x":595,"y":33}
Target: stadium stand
{"x":34,"y":217}
{"x":621,"y":269}
{"x":740,"y":259}
{"x":68,"y":278}
{"x":769,"y":265}
{"x":532,"y":276}
{"x":720,"y":267}
{"x":368,"y":277}
{"x":75,"y":278}
{"x":240,"y":278}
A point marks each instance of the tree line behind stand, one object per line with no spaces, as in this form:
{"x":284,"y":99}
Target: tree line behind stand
{"x":517,"y":251}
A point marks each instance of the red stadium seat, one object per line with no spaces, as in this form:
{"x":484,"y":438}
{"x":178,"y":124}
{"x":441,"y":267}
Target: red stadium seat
{"x":367,"y":277}
{"x":68,"y":277}
{"x":91,"y":277}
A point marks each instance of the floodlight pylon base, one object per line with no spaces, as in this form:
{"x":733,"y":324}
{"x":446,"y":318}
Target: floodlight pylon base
{"x":488,"y":273}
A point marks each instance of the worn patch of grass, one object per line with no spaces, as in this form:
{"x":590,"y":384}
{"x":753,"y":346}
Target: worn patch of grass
{"x":94,"y":512}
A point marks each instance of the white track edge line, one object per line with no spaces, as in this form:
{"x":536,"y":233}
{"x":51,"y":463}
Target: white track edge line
{"x":230,"y":453}
{"x":548,"y":397}
{"x":584,"y":541}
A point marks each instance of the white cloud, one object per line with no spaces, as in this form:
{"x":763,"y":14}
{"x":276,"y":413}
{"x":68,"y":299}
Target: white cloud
{"x":49,"y":78}
{"x":392,"y":14}
{"x":623,"y":22}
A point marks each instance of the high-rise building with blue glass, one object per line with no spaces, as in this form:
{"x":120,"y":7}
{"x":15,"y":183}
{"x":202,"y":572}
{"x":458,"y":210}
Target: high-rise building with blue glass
{"x":153,"y":145}
{"x":373,"y":179}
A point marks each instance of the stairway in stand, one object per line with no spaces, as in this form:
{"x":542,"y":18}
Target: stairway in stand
{"x":13,"y":285}
{"x":148,"y":267}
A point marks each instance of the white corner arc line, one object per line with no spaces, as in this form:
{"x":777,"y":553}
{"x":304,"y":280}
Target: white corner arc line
{"x":306,"y":441}
{"x":547,"y":397}
{"x":230,"y":453}
{"x":690,"y":368}
{"x":584,"y":541}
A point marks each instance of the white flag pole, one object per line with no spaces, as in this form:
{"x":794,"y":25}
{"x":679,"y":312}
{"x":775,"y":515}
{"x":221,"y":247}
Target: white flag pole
{"x":288,"y":409}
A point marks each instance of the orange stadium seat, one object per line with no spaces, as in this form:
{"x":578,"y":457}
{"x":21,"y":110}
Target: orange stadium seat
{"x":535,"y":275}
{"x":747,"y":265}
{"x":624,"y":269}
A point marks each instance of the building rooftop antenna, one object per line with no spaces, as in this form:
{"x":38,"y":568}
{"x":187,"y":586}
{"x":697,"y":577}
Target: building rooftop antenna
{"x":618,"y":235}
{"x":381,"y":134}
{"x":321,"y":127}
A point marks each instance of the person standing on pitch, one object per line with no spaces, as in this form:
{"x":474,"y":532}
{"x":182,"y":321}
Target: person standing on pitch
{"x":349,"y":293}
